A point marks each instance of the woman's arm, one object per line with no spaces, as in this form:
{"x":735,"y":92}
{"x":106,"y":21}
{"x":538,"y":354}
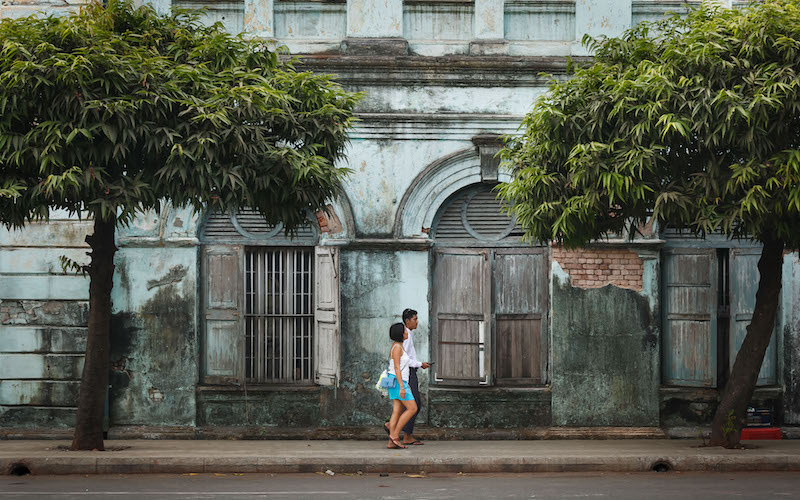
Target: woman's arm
{"x":396,"y":359}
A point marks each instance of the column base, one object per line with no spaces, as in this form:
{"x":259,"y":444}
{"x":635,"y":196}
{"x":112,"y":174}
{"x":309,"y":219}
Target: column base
{"x":488,"y":48}
{"x":374,"y":47}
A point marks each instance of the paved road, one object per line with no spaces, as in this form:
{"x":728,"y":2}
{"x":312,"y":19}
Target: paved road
{"x":653,"y":486}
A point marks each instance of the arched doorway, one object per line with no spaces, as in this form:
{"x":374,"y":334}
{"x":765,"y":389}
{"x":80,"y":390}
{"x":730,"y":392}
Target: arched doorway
{"x":489,"y":307}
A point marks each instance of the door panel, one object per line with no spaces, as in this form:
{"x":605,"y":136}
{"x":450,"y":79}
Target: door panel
{"x":461,"y":305}
{"x":520,"y":298}
{"x":690,"y":317}
{"x":744,"y":284}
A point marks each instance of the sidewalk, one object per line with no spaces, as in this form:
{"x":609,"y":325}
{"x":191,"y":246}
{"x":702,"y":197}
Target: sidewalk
{"x":186,"y":456}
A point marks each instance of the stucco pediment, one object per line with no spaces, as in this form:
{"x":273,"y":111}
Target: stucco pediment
{"x":435,"y":184}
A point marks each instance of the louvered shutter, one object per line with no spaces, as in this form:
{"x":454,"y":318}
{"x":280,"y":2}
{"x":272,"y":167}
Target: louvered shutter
{"x":462,"y":316}
{"x":520,"y":291}
{"x":327,"y":343}
{"x":247,"y":226}
{"x":744,"y":276}
{"x":690,"y":317}
{"x":223,"y":354}
{"x":475,"y":214}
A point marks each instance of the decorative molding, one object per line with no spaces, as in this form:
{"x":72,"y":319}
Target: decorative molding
{"x":432,"y":126}
{"x":450,"y":71}
{"x":429,"y":190}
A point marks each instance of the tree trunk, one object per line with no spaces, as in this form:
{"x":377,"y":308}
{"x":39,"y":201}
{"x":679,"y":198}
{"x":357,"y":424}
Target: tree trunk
{"x":731,"y":412}
{"x":92,"y":395}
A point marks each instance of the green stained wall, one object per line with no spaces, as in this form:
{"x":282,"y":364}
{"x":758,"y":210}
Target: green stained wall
{"x":154,"y":362}
{"x":605,"y":356}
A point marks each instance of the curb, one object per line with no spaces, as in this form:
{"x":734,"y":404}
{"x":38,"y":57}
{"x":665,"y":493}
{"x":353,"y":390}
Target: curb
{"x":394,"y":464}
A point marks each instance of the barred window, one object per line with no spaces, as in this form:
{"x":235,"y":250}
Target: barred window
{"x":279,"y":315}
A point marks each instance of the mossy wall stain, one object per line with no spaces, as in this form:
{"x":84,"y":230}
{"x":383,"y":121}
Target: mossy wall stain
{"x":605,"y":357}
{"x":154,"y":359}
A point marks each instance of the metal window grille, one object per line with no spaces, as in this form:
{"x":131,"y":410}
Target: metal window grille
{"x":279,"y":317}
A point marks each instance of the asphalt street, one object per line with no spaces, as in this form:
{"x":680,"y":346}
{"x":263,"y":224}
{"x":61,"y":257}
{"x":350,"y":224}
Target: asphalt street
{"x":651,"y":485}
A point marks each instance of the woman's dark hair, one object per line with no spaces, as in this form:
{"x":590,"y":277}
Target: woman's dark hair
{"x":396,"y":332}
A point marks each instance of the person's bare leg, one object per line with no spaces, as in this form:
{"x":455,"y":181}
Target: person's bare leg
{"x":410,"y":408}
{"x":397,"y":409}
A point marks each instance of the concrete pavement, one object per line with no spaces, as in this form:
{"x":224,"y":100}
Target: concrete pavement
{"x":186,"y":456}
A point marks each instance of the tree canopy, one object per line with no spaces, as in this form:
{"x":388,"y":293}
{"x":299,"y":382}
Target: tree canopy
{"x":693,"y":121}
{"x":115,"y":109}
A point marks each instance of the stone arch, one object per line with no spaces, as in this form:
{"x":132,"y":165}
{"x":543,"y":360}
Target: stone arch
{"x":433,"y":186}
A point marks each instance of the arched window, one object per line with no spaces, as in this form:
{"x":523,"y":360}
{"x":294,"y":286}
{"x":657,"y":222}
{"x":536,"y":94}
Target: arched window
{"x":270,"y":301}
{"x":490,"y":295}
{"x":474,"y":216}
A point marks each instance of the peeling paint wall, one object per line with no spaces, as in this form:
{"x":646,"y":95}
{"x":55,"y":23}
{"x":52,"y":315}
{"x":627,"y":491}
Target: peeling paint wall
{"x":43,"y":317}
{"x":154,"y":361}
{"x":789,"y":354}
{"x":605,"y":356}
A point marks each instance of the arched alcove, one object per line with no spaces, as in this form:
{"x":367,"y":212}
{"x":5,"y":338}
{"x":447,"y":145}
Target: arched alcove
{"x":433,"y":186}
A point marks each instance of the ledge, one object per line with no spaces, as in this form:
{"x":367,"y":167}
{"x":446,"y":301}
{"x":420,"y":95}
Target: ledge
{"x":453,"y":71}
{"x":416,"y":244}
{"x":236,"y":389}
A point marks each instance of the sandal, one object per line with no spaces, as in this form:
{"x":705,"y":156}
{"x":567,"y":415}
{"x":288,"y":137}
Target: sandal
{"x":398,"y":444}
{"x":416,"y":442}
{"x":386,"y":428}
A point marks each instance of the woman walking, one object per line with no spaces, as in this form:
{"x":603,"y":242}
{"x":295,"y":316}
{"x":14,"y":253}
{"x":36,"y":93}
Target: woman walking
{"x":403,"y":405}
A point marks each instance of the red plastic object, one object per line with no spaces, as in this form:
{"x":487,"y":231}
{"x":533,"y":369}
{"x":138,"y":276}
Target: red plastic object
{"x":761,"y":433}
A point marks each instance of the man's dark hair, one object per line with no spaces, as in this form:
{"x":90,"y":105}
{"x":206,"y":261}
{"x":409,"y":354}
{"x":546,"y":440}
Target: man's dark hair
{"x":408,"y":314}
{"x":396,"y":332}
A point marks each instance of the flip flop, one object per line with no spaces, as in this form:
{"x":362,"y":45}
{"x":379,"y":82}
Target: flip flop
{"x":398,"y":444}
{"x":416,"y":442}
{"x":387,"y":430}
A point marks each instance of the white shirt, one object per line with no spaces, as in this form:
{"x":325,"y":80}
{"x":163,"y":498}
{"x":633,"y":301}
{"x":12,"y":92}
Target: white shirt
{"x":408,"y":346}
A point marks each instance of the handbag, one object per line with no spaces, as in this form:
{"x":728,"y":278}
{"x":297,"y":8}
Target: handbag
{"x":386,"y":382}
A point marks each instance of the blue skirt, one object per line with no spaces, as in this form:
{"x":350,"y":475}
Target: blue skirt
{"x":394,"y":393}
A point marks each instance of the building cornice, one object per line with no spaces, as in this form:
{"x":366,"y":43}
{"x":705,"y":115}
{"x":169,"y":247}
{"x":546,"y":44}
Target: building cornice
{"x":467,"y":71}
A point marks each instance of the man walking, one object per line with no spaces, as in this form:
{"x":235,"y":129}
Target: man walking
{"x":411,"y":322}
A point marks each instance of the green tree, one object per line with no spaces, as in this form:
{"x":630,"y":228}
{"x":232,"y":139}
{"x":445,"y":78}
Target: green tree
{"x":116,"y":110}
{"x":693,"y":122}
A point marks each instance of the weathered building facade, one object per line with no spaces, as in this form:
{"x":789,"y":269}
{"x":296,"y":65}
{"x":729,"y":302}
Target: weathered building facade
{"x":222,"y":322}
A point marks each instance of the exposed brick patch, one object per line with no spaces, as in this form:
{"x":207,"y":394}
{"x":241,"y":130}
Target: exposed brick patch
{"x":598,"y":267}
{"x":329,"y":222}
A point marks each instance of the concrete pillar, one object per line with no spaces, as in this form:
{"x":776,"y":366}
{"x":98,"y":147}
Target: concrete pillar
{"x":375,"y":18}
{"x":602,"y":17}
{"x":259,"y":16}
{"x":489,"y":20}
{"x":375,"y":28}
{"x":489,"y":29}
{"x":161,"y":6}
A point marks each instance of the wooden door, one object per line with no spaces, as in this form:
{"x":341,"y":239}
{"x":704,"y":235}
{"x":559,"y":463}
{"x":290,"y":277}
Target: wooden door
{"x":690,"y":317}
{"x":462,"y":316}
{"x":744,"y":278}
{"x":520,"y":302}
{"x":223,"y":349}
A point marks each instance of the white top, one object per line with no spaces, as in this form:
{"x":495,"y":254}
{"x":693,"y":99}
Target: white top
{"x":404,"y":360}
{"x":408,"y":346}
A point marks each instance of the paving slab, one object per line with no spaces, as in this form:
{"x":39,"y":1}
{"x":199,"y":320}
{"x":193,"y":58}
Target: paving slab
{"x":186,"y":456}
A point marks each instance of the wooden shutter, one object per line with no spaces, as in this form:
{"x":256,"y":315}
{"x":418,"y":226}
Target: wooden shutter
{"x":462,"y":315}
{"x":690,"y":317}
{"x":520,"y":301}
{"x":223,"y":359}
{"x":326,"y":316}
{"x":744,"y":278}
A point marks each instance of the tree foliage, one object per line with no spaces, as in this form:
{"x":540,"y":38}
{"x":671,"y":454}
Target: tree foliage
{"x":116,"y":109}
{"x":693,"y":121}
